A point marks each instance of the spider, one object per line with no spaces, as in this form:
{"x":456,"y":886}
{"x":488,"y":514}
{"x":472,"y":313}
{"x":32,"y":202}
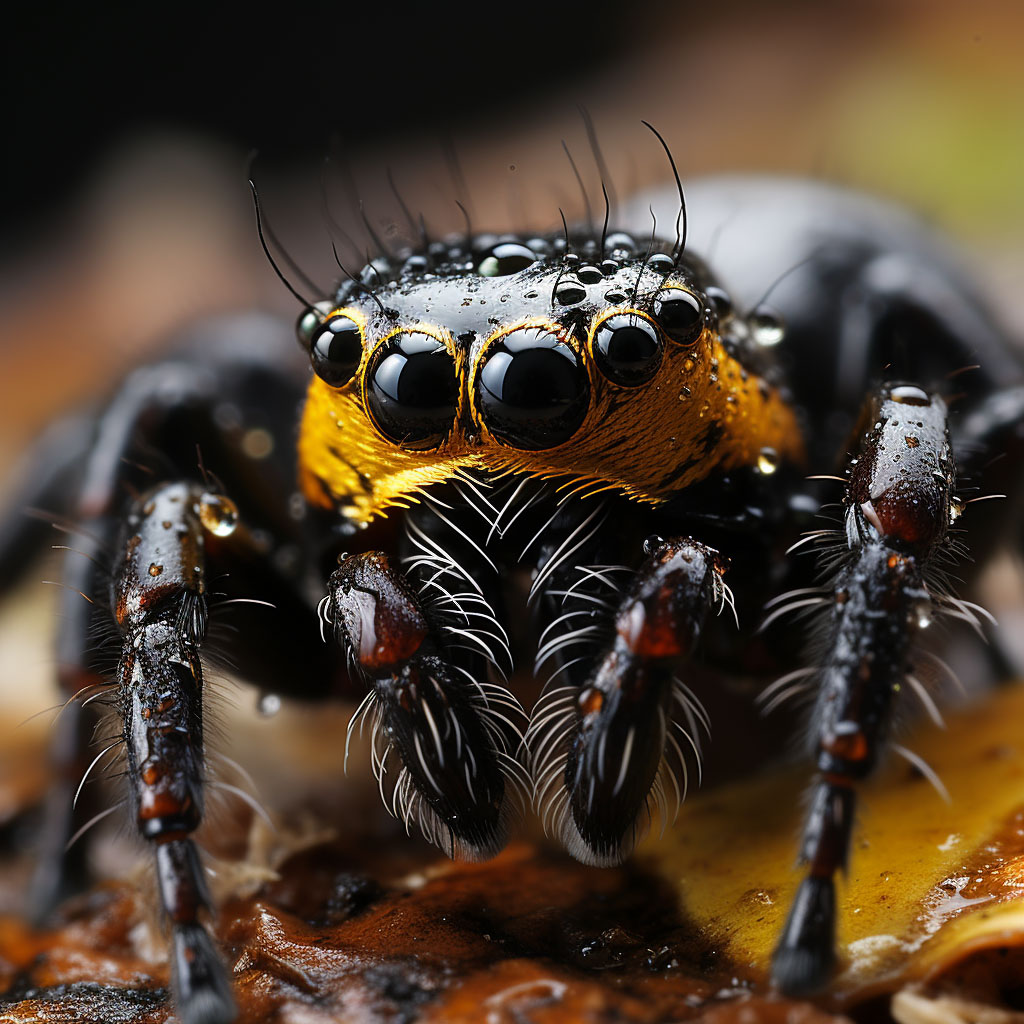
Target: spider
{"x":545,"y":453}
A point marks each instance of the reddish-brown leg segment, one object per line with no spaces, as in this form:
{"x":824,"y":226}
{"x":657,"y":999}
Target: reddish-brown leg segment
{"x":159,"y":602}
{"x":885,"y":588}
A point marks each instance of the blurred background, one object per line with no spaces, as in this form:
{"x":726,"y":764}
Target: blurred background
{"x":128,"y":135}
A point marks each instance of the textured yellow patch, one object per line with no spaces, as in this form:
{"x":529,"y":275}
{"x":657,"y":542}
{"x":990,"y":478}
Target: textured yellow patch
{"x":702,"y":411}
{"x":929,"y":882}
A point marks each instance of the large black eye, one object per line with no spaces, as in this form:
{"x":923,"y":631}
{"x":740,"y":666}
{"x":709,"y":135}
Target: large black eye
{"x":412,"y":390}
{"x":532,"y":389}
{"x":627,"y":349}
{"x":336,"y":349}
{"x":680,"y":313}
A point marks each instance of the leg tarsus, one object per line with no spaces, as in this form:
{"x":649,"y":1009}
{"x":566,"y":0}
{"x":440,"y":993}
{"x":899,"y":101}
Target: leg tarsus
{"x":202,"y":987}
{"x":805,"y":958}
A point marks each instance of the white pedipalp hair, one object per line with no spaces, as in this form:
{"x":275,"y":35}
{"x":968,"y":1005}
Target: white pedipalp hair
{"x":549,"y":740}
{"x":503,"y":720}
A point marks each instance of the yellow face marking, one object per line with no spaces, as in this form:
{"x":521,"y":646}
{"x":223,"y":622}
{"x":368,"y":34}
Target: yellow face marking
{"x":702,"y":411}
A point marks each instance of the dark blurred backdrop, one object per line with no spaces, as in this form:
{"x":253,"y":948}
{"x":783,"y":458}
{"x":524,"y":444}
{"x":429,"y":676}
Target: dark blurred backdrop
{"x":127,"y":131}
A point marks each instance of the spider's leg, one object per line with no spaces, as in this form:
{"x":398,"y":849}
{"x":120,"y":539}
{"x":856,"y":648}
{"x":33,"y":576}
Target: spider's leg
{"x":617,"y":740}
{"x":159,"y":602}
{"x":884,"y":585}
{"x":453,"y":738}
{"x":163,"y":414}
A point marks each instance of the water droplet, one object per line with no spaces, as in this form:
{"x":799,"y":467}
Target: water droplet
{"x":912,"y":442}
{"x":766,"y":326}
{"x":956,"y":510}
{"x":590,"y":274}
{"x":269,"y":704}
{"x":218,"y":514}
{"x":615,"y":295}
{"x":767,"y":461}
{"x":568,"y":293}
{"x":907,"y":394}
{"x":619,"y":241}
{"x":155,"y":569}
{"x":652,"y":543}
{"x":661,"y":263}
{"x":684,"y":393}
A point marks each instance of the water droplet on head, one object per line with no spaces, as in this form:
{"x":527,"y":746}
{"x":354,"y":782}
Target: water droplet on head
{"x":766,"y":326}
{"x":661,"y":263}
{"x":218,"y":514}
{"x":907,"y":394}
{"x":590,"y":274}
{"x":619,"y":241}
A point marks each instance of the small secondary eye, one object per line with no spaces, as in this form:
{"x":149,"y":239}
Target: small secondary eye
{"x":309,"y":320}
{"x":412,"y":390}
{"x":532,"y":389}
{"x":336,"y":349}
{"x":680,"y":313}
{"x":506,"y":258}
{"x":627,"y":349}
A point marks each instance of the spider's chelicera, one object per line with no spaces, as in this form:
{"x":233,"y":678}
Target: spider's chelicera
{"x":526,"y":466}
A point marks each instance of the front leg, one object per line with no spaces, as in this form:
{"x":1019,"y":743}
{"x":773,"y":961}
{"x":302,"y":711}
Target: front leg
{"x":600,"y":751}
{"x":884,"y":585}
{"x":159,"y":602}
{"x":453,"y":736}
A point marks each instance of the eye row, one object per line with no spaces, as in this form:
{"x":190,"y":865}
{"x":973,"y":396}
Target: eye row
{"x":530,"y":387}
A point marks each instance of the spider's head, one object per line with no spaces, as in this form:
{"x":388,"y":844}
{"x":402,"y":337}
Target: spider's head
{"x":516,"y":355}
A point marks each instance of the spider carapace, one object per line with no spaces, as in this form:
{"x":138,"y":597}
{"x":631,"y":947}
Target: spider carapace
{"x":534,"y":461}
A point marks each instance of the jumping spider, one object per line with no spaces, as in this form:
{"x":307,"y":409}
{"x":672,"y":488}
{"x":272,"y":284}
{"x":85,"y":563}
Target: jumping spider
{"x":559,"y":444}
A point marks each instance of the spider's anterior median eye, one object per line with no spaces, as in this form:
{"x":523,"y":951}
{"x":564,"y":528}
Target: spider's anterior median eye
{"x":680,"y":313}
{"x":412,"y":390}
{"x":532,"y":389}
{"x":336,"y":349}
{"x":627,"y":349}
